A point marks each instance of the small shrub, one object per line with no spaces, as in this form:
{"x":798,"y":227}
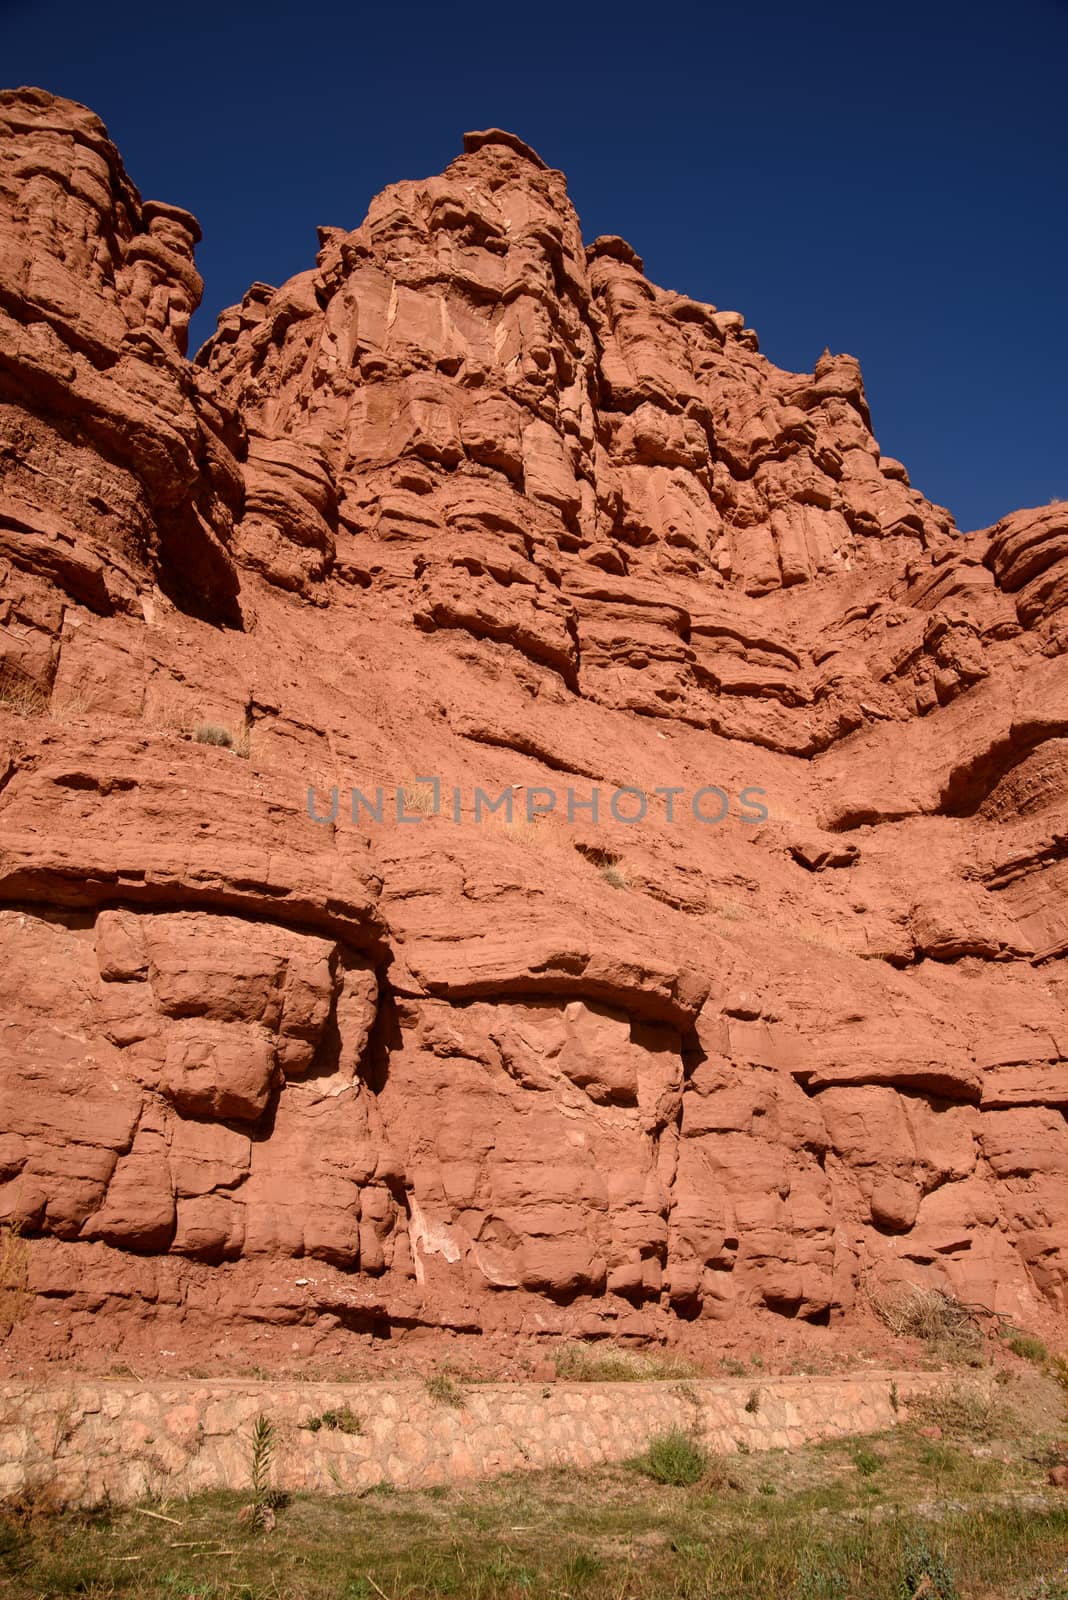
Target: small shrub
{"x":673,"y":1458}
{"x":1031,"y":1349}
{"x":866,"y":1462}
{"x":818,"y":1580}
{"x":418,"y":799}
{"x":614,"y":875}
{"x":444,"y":1390}
{"x":211,"y":733}
{"x":923,"y":1572}
{"x":522,"y":831}
{"x":752,"y":1405}
{"x":339,"y":1420}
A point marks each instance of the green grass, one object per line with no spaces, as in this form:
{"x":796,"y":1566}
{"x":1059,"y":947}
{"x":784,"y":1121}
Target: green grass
{"x":444,"y":1389}
{"x":866,"y":1462}
{"x":962,"y":1409}
{"x":562,"y":1533}
{"x":674,"y":1458}
{"x":1030,"y":1348}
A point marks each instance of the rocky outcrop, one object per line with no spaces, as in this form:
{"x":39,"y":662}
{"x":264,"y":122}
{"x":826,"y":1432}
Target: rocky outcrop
{"x":118,"y":459}
{"x":504,"y":792}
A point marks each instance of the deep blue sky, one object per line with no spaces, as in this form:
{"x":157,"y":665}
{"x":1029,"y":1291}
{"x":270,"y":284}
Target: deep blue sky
{"x":884,"y":179}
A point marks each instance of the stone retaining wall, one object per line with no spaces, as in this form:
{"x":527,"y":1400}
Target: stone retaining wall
{"x":97,"y":1439}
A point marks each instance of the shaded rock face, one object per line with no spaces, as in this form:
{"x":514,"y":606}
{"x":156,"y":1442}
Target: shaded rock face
{"x":470,"y":502}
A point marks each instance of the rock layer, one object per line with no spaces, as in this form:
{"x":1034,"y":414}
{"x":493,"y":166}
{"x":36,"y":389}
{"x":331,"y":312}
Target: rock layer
{"x":468,"y":505}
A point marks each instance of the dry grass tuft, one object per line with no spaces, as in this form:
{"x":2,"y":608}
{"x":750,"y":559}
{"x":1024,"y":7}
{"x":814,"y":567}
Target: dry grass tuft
{"x":611,"y":1363}
{"x":418,"y":799}
{"x":14,"y":1277}
{"x":28,"y":699}
{"x":21,"y":695}
{"x":922,"y":1312}
{"x":166,"y":709}
{"x":213,"y":733}
{"x":729,"y":911}
{"x":521,"y":832}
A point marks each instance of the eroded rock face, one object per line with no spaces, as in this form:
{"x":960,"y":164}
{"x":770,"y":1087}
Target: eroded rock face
{"x":469,"y":501}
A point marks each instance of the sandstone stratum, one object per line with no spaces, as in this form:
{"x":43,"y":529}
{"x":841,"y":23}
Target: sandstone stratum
{"x":471,"y":500}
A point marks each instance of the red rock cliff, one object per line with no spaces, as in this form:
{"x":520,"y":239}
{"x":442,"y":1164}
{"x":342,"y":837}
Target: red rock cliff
{"x":468,"y":500}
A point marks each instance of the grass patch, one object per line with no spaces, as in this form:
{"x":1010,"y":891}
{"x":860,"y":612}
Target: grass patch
{"x":25,"y":698}
{"x":614,"y":875}
{"x":924,"y":1570}
{"x":733,"y":1368}
{"x":612,"y":1363}
{"x":336,"y":1420}
{"x":444,"y":1390}
{"x":521,"y":831}
{"x":597,"y":1535}
{"x":674,"y":1458}
{"x":1030,"y":1348}
{"x":964,"y":1410}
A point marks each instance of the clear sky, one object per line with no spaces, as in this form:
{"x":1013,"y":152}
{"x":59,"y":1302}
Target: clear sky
{"x":887,"y":179}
